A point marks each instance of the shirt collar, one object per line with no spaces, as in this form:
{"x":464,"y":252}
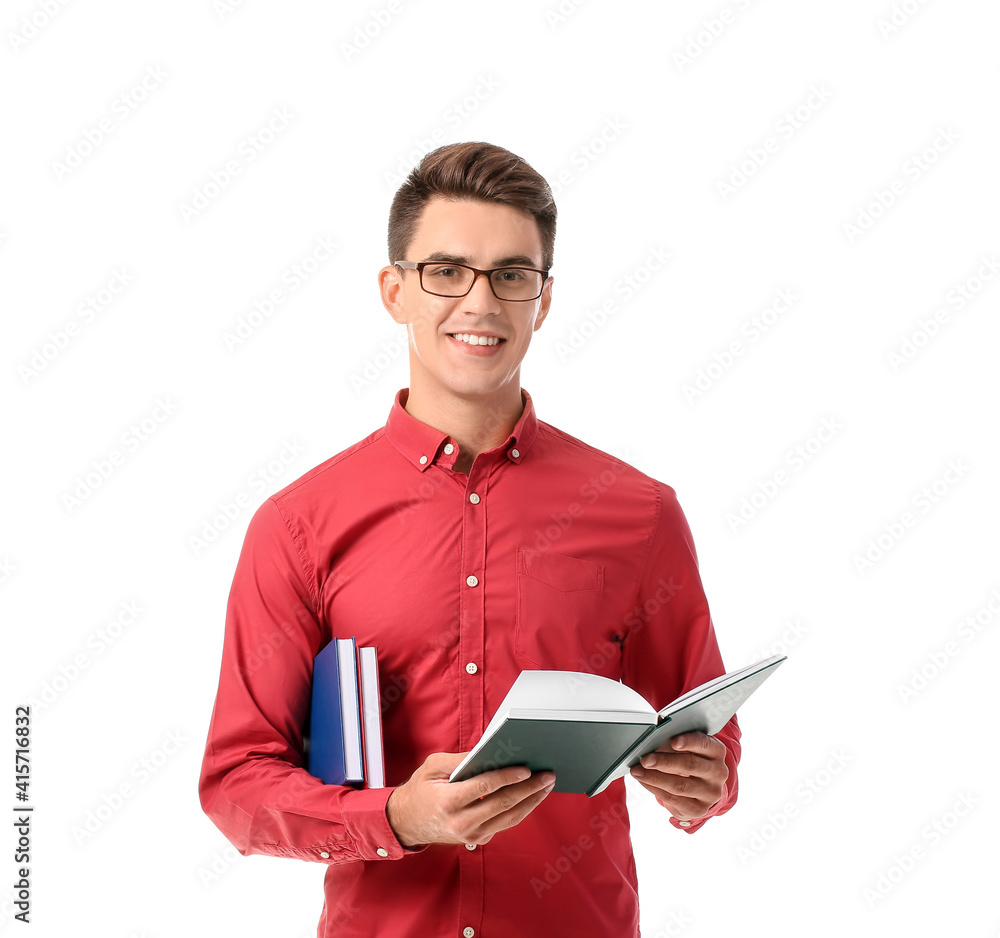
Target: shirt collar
{"x":423,"y":445}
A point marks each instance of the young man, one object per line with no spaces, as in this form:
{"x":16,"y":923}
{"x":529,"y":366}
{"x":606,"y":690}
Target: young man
{"x":468,"y":540}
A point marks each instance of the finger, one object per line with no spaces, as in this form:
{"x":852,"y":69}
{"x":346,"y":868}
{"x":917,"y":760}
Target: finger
{"x":486,"y":783}
{"x":443,"y":763}
{"x":679,"y":786}
{"x":699,"y":743}
{"x":512,"y":801}
{"x":508,"y":807}
{"x":684,"y":809}
{"x":481,"y":786}
{"x":676,"y":763}
{"x":696,"y":804}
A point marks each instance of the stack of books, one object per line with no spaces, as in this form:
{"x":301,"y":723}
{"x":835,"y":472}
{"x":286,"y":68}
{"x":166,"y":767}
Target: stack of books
{"x":345,"y":720}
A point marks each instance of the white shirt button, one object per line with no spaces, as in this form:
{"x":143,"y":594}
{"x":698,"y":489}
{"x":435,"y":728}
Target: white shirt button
{"x":468,"y":931}
{"x":514,"y":453}
{"x":382,"y":852}
{"x":472,"y":667}
{"x":324,"y":855}
{"x":449,"y":449}
{"x":684,"y":823}
{"x":474,"y":498}
{"x":472,"y":580}
{"x":423,"y":460}
{"x":470,"y":846}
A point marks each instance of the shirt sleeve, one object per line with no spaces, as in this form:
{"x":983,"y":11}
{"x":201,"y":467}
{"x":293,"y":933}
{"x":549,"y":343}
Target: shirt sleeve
{"x":669,"y":644}
{"x":253,"y":784}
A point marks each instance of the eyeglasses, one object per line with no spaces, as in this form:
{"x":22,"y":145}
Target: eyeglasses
{"x":518,"y":284}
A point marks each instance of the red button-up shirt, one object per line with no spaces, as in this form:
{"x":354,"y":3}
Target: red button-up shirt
{"x":548,"y":554}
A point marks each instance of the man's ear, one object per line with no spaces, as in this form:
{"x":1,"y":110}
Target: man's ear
{"x":390,"y":285}
{"x":546,"y":301}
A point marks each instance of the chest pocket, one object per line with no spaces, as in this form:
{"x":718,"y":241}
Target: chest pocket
{"x":559,"y":621}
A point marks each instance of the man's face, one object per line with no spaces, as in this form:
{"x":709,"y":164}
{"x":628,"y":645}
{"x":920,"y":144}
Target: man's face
{"x":483,"y":235}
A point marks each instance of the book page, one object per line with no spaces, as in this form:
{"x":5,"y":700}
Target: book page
{"x":572,"y":690}
{"x":710,"y":687}
{"x":568,"y":690}
{"x":582,"y":716}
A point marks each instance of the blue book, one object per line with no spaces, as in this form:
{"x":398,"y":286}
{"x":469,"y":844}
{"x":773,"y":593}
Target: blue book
{"x":334,"y":753}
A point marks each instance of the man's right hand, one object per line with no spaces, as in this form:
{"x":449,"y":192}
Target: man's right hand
{"x":428,"y":809}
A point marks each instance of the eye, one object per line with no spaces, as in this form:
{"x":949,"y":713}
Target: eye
{"x":444,"y":272}
{"x":510,"y":274}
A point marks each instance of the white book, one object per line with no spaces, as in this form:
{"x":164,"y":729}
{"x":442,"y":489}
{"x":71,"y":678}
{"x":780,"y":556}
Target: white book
{"x":371,"y":708}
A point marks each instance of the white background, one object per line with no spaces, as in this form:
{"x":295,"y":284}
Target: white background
{"x":636,"y":112}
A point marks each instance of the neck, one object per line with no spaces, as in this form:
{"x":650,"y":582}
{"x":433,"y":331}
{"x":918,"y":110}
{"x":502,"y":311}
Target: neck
{"x":477,"y":424}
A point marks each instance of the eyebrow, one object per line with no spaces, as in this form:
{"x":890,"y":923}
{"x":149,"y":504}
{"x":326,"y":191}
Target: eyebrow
{"x":514,"y":260}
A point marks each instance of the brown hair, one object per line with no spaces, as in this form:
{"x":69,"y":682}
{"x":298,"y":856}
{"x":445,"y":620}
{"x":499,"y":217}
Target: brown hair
{"x":478,"y":171}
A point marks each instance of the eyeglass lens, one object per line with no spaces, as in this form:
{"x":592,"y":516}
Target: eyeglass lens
{"x":509,"y":283}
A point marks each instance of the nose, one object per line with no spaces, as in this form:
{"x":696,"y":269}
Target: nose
{"x":481,"y":296}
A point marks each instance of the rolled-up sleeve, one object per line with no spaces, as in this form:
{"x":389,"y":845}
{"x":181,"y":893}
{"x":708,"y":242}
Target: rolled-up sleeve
{"x":253,"y":784}
{"x":669,"y":643}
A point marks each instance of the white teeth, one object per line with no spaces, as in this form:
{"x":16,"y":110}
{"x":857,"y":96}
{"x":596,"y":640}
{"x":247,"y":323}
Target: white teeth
{"x":476,"y":339}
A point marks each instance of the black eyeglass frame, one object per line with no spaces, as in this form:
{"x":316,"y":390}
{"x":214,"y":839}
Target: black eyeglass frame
{"x":419,"y":266}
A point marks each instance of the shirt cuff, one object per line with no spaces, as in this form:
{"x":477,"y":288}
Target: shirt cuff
{"x":368,"y":824}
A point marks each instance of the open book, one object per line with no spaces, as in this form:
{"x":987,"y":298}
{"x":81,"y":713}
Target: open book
{"x":590,"y":729}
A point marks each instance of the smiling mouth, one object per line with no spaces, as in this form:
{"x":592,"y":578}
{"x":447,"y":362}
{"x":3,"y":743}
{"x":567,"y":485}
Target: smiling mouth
{"x":476,"y":339}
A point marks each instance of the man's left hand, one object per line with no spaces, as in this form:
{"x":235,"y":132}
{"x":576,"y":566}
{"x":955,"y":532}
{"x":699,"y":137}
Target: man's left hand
{"x":687,"y":775}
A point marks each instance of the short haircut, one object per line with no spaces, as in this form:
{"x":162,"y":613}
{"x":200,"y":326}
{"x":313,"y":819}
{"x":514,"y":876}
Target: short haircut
{"x":477,"y":171}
